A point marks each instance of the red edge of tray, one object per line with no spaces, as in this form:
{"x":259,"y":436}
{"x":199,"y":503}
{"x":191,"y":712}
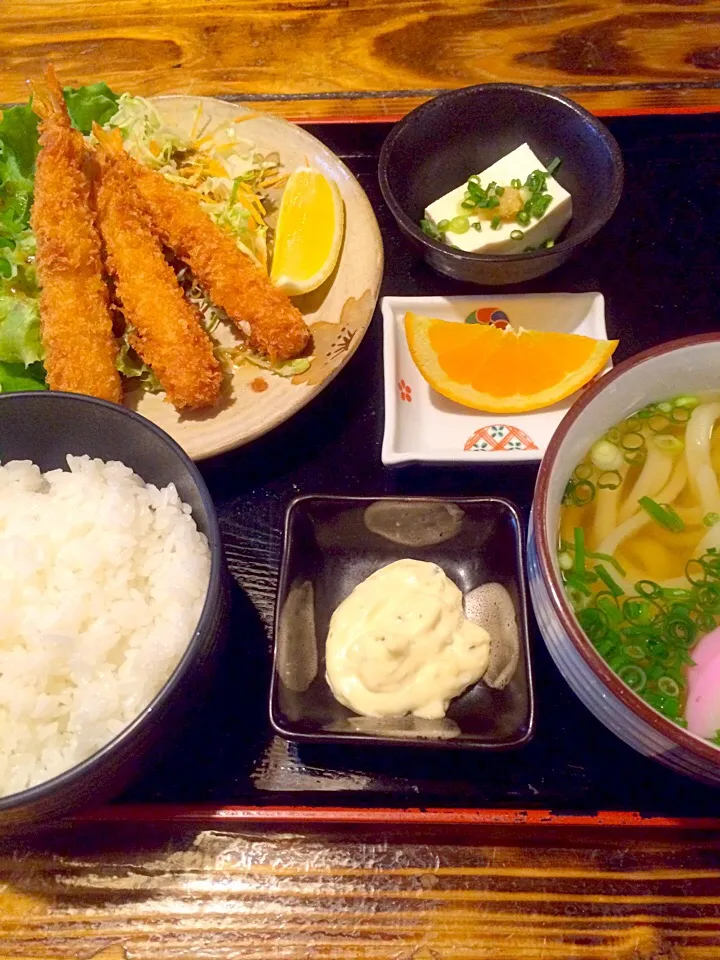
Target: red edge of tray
{"x":211,"y":815}
{"x":610,"y":112}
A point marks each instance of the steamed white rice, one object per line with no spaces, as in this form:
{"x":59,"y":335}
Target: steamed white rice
{"x":102,"y":581}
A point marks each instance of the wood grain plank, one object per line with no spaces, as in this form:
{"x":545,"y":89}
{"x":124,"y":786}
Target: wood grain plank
{"x":150,"y":893}
{"x":366,"y":57}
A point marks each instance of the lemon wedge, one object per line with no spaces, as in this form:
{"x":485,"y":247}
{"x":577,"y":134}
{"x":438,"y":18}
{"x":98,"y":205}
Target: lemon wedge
{"x":309,"y":232}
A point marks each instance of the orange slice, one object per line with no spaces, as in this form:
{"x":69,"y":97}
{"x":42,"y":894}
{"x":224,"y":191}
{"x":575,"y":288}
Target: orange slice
{"x":503,"y":371}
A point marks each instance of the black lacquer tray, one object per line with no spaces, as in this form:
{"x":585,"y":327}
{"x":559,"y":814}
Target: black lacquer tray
{"x":658,"y":265}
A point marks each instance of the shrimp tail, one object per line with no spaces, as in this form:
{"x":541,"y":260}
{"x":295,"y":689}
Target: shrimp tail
{"x":109,"y":141}
{"x":50,"y":101}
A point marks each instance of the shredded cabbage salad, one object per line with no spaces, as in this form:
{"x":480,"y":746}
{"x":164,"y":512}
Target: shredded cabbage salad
{"x":216,"y":161}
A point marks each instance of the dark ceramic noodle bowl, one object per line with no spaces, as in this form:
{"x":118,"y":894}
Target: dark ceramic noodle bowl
{"x":443,"y":142}
{"x":45,"y":427}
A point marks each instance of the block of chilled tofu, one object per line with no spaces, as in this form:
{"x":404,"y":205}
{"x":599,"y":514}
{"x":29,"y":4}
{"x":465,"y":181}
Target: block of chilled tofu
{"x":517,"y":165}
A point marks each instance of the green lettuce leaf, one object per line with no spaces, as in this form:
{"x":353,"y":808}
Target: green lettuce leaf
{"x":130,"y":365}
{"x":18,"y":150}
{"x":96,"y":102}
{"x":20,"y":331}
{"x":16,"y":376}
{"x":19,"y":138}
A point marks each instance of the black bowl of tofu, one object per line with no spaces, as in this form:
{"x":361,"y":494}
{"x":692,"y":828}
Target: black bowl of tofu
{"x":500,"y":183}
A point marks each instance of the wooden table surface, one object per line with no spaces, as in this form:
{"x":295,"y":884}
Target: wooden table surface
{"x":115,"y":891}
{"x":168,"y":891}
{"x":370,"y":58}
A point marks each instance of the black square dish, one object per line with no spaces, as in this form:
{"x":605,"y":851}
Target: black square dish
{"x":331,"y":545}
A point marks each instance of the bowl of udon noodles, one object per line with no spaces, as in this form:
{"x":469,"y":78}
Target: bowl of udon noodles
{"x":624,"y":553}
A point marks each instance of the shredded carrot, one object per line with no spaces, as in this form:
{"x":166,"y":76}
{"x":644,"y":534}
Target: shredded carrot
{"x":216,"y":169}
{"x":245,"y":116}
{"x":274,"y":181}
{"x":155,"y":148}
{"x":198,"y":143}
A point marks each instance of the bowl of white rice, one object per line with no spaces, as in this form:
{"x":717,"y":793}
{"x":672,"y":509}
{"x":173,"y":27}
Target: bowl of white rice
{"x":112,"y":599}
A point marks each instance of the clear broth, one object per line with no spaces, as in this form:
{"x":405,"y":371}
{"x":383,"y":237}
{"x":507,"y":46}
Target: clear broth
{"x":639,"y":547}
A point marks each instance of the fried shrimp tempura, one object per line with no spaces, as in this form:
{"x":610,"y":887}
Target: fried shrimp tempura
{"x":167,"y":332}
{"x":231,"y":279}
{"x":76,"y":324}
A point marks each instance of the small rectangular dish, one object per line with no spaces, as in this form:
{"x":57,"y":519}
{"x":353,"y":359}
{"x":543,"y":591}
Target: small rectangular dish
{"x":333,"y":543}
{"x":423,"y":426}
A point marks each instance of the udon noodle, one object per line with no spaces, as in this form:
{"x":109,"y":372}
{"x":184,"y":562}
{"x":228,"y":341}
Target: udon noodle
{"x":639,"y":554}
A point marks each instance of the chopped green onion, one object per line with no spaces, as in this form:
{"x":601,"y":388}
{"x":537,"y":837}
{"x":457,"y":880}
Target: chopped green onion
{"x":549,"y":244}
{"x":493,"y":202}
{"x":668,"y":686}
{"x":477,"y":226}
{"x":572,"y":581}
{"x":606,"y":455}
{"x":665,"y":407}
{"x":468,"y":204}
{"x":695,"y":578}
{"x":663,"y":514}
{"x":495,"y":223}
{"x":516,"y":234}
{"x":491,"y":186}
{"x":553,"y":165}
{"x":594,"y":623}
{"x":608,"y":559}
{"x":540,"y":205}
{"x":632,"y":441}
{"x":638,"y":611}
{"x":635,"y":456}
{"x":614,"y":589}
{"x":579,"y":538}
{"x":584,"y":493}
{"x":515,"y":183}
{"x":459,"y":225}
{"x":635,"y":652}
{"x":609,"y":480}
{"x":708,"y":597}
{"x":649,"y":589}
{"x":499,"y":191}
{"x":633,"y":676}
{"x":680,"y":415}
{"x":710,"y":519}
{"x":443,"y":225}
{"x":688,"y":402}
{"x":583,"y":471}
{"x":430,"y":230}
{"x":606,"y":602}
{"x":523,"y":218}
{"x":679,"y":629}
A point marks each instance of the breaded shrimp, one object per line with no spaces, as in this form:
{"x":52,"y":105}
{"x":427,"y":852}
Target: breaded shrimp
{"x":75,"y":319}
{"x":232,"y":281}
{"x":167,"y":332}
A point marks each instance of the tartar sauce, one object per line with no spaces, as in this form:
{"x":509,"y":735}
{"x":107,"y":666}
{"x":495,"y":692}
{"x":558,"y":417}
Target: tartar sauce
{"x":400,"y":643}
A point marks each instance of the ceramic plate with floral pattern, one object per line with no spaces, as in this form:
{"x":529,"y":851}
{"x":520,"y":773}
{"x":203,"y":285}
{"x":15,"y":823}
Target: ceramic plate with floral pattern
{"x":421,"y":425}
{"x":338,"y":313}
